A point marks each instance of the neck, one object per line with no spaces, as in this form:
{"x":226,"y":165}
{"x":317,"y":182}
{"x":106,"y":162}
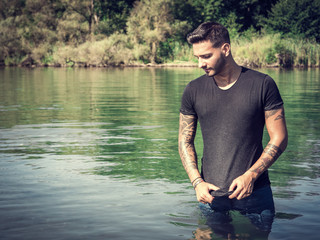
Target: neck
{"x":229,"y":75}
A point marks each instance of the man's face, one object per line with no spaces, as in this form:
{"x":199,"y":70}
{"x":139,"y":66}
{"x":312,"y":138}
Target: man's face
{"x":211,"y":60}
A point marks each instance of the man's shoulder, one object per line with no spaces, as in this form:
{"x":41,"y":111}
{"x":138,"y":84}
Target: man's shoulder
{"x":198,"y":82}
{"x":251,"y":73}
{"x":255,"y":77}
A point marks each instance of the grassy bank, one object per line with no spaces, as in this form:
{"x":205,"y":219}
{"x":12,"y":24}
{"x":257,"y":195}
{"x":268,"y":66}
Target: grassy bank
{"x":118,"y":50}
{"x":274,"y":51}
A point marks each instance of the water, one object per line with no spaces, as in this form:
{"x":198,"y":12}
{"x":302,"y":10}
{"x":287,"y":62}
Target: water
{"x":92,"y":154}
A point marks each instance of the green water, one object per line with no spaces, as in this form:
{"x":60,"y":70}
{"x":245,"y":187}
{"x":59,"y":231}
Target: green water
{"x":92,"y":153}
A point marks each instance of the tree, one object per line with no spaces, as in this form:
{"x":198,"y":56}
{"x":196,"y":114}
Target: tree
{"x":149,"y":24}
{"x":27,"y":28}
{"x":113,"y":15}
{"x":296,"y":18}
{"x":98,"y":16}
{"x":10,"y":44}
{"x":86,"y":9}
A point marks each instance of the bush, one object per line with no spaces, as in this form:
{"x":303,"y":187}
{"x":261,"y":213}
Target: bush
{"x":271,"y":56}
{"x":114,"y":50}
{"x":265,"y":50}
{"x":42,"y":54}
{"x":285,"y":56}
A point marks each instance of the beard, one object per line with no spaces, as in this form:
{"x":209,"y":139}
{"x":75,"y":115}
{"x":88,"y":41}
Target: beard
{"x":217,"y":68}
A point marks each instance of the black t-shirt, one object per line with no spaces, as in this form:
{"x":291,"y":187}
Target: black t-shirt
{"x":232,"y":123}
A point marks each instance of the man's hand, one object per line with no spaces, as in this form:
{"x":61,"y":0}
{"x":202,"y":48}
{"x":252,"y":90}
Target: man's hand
{"x":203,"y":192}
{"x":242,"y":186}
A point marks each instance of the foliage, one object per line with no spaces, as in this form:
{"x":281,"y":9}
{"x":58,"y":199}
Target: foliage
{"x":27,"y":26}
{"x":79,"y":18}
{"x":113,"y":15}
{"x":296,"y":18}
{"x":79,"y":32}
{"x":236,"y":15}
{"x":274,"y":50}
{"x":149,"y":25}
{"x":113,"y":50}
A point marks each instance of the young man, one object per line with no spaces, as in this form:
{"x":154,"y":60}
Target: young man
{"x":232,"y":104}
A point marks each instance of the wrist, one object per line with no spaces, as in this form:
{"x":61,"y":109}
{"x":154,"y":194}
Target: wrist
{"x":252,"y":174}
{"x":194,"y":180}
{"x":197,"y":182}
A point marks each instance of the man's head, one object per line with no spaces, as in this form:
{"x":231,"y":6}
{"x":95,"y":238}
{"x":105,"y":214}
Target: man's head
{"x":215,"y":32}
{"x":211,"y":45}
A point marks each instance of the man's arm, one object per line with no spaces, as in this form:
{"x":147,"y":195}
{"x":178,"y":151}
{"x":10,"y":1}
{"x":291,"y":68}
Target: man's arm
{"x":188,"y":155}
{"x":277,"y":130}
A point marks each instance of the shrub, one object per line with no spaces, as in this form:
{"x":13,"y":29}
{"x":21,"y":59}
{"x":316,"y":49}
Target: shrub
{"x":265,"y":50}
{"x":271,"y":56}
{"x":42,"y":54}
{"x":113,"y":50}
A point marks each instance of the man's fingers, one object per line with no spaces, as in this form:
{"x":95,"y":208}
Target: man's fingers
{"x":244,"y":193}
{"x":203,"y":192}
{"x":208,"y":198}
{"x":235,"y":194}
{"x":241,"y":195}
{"x":232,"y":186}
{"x":205,"y":198}
{"x":213,"y":187}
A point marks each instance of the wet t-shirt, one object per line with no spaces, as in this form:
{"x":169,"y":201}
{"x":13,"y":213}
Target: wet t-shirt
{"x":232,"y":123}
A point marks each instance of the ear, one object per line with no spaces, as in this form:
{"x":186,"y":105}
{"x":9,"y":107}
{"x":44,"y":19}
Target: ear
{"x":225,"y":48}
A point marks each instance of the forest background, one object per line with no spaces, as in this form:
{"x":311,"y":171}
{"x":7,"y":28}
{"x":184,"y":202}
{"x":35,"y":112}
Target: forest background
{"x":98,"y":33}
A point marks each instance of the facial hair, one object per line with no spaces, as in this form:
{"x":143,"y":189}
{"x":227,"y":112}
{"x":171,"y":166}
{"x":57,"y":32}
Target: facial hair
{"x":218,"y":67}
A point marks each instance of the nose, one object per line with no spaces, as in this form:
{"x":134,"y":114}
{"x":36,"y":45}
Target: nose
{"x":201,"y":63}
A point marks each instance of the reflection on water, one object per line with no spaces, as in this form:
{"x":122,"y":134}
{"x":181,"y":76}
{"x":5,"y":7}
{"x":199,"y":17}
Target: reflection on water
{"x":92,"y":153}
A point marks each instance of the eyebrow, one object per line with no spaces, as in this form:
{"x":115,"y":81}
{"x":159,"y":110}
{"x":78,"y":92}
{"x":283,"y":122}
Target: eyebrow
{"x":204,"y":55}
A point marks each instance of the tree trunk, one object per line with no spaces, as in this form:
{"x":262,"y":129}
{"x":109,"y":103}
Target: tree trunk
{"x":153,"y":52}
{"x":91,"y":19}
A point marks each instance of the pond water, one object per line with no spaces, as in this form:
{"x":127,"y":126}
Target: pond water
{"x":92,"y":154}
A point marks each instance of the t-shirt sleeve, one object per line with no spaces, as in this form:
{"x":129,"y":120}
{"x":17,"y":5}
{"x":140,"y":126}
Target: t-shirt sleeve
{"x":187,"y":103}
{"x":272,"y":98}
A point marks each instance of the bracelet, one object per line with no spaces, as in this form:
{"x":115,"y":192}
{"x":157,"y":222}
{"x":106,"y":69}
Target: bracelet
{"x":197,"y":183}
{"x":194,"y":180}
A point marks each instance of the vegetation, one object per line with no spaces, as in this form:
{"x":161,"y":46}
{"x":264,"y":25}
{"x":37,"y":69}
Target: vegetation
{"x":110,"y":33}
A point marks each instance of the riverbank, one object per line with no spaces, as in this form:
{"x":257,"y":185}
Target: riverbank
{"x":149,"y":65}
{"x":260,"y":51}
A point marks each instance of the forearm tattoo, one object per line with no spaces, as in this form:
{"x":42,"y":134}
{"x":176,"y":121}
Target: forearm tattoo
{"x":262,"y":167}
{"x":273,"y":152}
{"x":187,"y":132}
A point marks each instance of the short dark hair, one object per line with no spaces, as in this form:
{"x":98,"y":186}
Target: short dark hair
{"x":215,"y":32}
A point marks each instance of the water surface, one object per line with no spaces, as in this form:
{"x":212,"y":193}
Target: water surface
{"x":92,"y":154}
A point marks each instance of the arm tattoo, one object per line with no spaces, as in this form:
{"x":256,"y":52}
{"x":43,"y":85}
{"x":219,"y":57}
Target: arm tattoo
{"x":270,"y":113}
{"x":280,"y":116}
{"x":187,"y":132}
{"x":262,"y":166}
{"x":274,"y":152}
{"x":273,"y":112}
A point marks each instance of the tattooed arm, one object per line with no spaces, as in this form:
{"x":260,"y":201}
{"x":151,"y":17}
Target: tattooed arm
{"x":188,"y":155}
{"x":277,"y":130}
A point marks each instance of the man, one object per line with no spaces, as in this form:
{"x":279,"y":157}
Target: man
{"x":232,"y":104}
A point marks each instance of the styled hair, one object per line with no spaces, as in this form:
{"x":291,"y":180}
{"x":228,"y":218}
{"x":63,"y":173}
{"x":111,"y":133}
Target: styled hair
{"x":215,"y":32}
